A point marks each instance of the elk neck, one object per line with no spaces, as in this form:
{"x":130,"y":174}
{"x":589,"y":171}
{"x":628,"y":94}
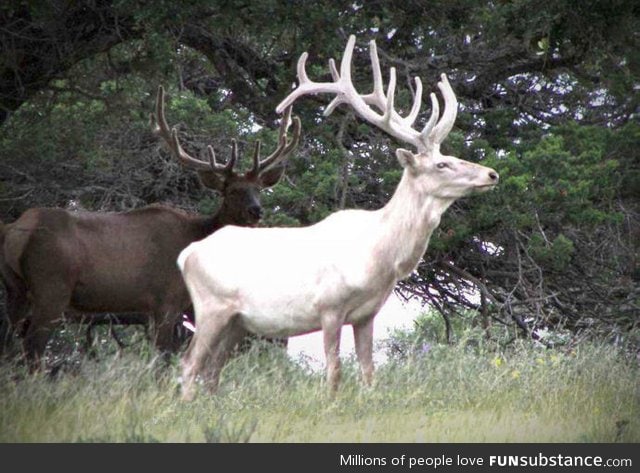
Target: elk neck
{"x":407,"y":222}
{"x":228,"y":215}
{"x":207,"y":224}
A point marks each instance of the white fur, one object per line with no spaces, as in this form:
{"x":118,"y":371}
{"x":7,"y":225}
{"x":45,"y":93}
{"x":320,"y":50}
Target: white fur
{"x":289,"y":281}
{"x":279,"y":278}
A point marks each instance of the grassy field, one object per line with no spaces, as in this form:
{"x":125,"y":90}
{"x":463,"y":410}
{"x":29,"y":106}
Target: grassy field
{"x":449,"y":394}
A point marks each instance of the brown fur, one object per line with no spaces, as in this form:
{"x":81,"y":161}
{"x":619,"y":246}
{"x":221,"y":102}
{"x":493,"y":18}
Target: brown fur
{"x":54,"y":261}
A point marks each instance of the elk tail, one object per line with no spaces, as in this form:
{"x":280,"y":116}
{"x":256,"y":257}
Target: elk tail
{"x":12,"y":247}
{"x":6,"y":273}
{"x":11,"y":280}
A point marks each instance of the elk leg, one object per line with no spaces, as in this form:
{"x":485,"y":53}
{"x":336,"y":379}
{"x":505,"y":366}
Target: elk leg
{"x":210,"y":330}
{"x":363,"y":337}
{"x":163,"y":331}
{"x":17,"y":304}
{"x":35,"y":341}
{"x":232,"y":335}
{"x":331,"y":329}
{"x":5,"y":333}
{"x":17,"y":309}
{"x":88,"y":340}
{"x":116,"y":337}
{"x":48,"y":306}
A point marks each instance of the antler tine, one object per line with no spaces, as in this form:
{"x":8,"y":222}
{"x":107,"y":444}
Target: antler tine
{"x":386,"y":118}
{"x":444,"y":126}
{"x":417,"y":102}
{"x":376,"y":97}
{"x":185,"y":159}
{"x":338,"y":99}
{"x":380,"y":100}
{"x":342,"y":79}
{"x":305,"y":86}
{"x":391,"y":93}
{"x":297,"y":127}
{"x":284,"y":147}
{"x":425,"y":134}
{"x":234,"y":156}
{"x":255,"y":170}
{"x":158,"y":121}
{"x":217,"y":167}
{"x":213,"y":163}
{"x":160,"y":127}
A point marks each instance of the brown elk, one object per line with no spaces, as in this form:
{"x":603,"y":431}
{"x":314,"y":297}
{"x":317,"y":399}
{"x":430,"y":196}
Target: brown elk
{"x":54,"y":261}
{"x":342,"y":269}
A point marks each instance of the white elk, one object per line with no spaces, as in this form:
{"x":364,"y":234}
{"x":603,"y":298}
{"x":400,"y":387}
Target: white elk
{"x":281,"y":282}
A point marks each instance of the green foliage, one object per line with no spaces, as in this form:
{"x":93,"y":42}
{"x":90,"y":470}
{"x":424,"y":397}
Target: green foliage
{"x":566,"y":179}
{"x":429,"y":333}
{"x":428,"y":329}
{"x":67,"y":130}
{"x":555,"y":255}
{"x":570,"y":179}
{"x":208,"y":205}
{"x":196,"y":114}
{"x":314,"y":193}
{"x":546,"y":96}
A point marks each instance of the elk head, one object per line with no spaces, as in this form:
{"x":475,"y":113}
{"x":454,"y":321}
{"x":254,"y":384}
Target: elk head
{"x":241,"y":203}
{"x":434,"y":174}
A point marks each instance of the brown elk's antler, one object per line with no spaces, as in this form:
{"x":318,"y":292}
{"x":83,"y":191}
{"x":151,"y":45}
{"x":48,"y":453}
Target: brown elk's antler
{"x":161,"y":128}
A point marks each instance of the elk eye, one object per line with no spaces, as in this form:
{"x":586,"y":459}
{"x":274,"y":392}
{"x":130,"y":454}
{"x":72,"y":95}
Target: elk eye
{"x":442,"y":165}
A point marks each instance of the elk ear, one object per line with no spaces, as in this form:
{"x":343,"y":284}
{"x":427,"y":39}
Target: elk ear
{"x":212,"y":180}
{"x":407,"y":158}
{"x":272,"y":175}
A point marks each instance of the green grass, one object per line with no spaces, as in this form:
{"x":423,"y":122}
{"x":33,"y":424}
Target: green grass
{"x":451,"y":394}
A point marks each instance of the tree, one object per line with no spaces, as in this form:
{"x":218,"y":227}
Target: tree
{"x":548,"y":96}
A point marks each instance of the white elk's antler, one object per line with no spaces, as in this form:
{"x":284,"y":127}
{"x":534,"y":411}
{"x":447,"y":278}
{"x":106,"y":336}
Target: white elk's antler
{"x":430,"y":137}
